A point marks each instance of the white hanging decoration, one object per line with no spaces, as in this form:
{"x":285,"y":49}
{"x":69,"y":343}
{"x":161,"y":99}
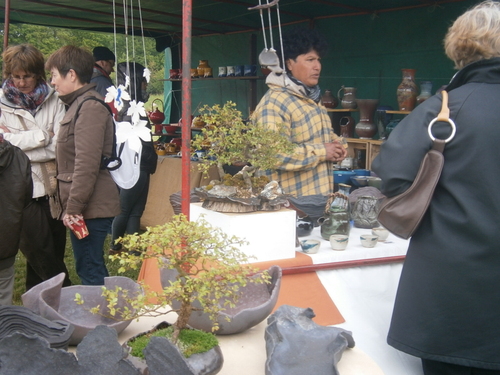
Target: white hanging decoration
{"x":136,"y":110}
{"x":147,"y":74}
{"x":118,"y":95}
{"x":126,"y":132}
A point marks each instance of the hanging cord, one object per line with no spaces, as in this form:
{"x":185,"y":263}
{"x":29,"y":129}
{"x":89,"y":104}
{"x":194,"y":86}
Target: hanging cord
{"x":142,"y":34}
{"x":125,"y":20}
{"x":133,"y":49}
{"x":281,"y":38}
{"x":270,"y":26}
{"x":114,"y":38}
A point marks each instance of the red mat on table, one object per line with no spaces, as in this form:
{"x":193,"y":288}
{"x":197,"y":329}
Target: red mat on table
{"x":301,"y":290}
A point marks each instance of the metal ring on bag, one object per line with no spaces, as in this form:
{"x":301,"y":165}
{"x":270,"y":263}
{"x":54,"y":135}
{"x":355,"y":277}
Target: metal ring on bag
{"x":449,"y":121}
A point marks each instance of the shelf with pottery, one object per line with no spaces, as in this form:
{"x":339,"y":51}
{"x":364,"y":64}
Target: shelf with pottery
{"x":395,"y":112}
{"x":341,"y":110}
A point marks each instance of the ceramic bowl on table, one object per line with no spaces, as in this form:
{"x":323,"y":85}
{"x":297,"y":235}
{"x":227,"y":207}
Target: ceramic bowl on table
{"x":310,"y":246}
{"x":170,"y":129}
{"x":368,"y":240}
{"x":339,"y":241}
{"x":360,"y":181}
{"x":361,"y":172}
{"x":375,"y":182}
{"x":381,"y":232}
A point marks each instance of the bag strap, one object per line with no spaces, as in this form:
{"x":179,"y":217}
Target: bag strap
{"x":46,"y":180}
{"x":443,"y":116}
{"x":23,"y":123}
{"x":114,"y":158}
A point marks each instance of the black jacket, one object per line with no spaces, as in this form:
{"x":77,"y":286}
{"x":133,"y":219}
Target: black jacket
{"x":448,"y":298}
{"x":17,"y":188}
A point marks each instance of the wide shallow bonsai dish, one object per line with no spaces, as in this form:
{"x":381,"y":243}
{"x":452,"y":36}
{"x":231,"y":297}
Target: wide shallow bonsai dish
{"x":50,"y":300}
{"x":254,"y":305}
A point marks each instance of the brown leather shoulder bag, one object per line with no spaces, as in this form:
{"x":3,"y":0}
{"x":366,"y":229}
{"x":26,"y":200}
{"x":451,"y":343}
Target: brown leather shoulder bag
{"x":402,"y":214}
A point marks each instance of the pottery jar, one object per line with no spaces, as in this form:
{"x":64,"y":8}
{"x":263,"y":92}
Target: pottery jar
{"x":365,"y":211}
{"x":328,"y":100}
{"x":336,"y":219}
{"x":222,"y":71}
{"x":366,"y":127}
{"x":201,"y":67}
{"x":407,"y":91}
{"x":347,"y":127}
{"x":425,"y":91}
{"x":348,"y":101}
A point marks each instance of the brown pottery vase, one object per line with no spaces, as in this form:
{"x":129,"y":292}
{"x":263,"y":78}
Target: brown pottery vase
{"x":328,"y":100}
{"x":366,"y":127}
{"x":348,"y":101}
{"x":407,"y":91}
{"x":425,"y":91}
{"x":347,"y":127}
{"x":201,"y":67}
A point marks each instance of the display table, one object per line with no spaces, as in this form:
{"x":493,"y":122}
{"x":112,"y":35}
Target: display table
{"x":245,"y":353}
{"x":359,"y":282}
{"x":166,"y":181}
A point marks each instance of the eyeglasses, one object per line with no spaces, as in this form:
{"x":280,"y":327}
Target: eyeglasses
{"x":25,"y":78}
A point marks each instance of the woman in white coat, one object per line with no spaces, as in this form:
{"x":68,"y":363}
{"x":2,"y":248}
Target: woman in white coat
{"x":31,"y":113}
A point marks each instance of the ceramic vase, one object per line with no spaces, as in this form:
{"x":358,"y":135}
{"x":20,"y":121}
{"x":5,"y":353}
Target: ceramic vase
{"x":328,"y":100}
{"x":201,"y":67}
{"x":348,"y":100}
{"x":366,"y":127}
{"x":364,"y":212}
{"x":407,"y":91}
{"x":347,"y":127}
{"x":337,"y":219}
{"x":425,"y":91}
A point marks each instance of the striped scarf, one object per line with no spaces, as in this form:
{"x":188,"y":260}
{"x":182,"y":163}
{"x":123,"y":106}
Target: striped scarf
{"x":30,"y":101}
{"x":313,"y":93}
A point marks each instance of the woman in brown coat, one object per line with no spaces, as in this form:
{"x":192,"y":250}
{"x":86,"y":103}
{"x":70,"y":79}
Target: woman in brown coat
{"x":88,"y":194}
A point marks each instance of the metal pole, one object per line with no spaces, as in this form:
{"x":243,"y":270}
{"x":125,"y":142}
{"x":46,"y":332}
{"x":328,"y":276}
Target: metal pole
{"x":187,"y":12}
{"x":6,"y":25}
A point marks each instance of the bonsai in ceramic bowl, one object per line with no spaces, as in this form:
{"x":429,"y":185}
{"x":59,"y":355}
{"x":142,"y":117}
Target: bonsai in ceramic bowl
{"x":229,"y":140}
{"x":209,"y":268}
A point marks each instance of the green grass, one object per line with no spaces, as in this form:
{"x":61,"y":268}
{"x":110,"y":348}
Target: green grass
{"x":20,"y":266}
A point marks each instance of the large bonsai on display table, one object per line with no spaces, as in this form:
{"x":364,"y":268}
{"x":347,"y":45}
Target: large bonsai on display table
{"x":229,"y":140}
{"x":210,"y":270}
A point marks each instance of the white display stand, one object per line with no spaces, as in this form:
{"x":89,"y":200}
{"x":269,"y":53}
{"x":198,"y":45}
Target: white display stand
{"x":270,"y":234}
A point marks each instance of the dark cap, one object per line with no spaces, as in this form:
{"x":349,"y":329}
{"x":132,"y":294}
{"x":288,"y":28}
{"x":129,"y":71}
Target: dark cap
{"x":103,"y":53}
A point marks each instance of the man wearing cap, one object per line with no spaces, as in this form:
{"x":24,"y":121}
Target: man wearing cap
{"x":103,"y":67}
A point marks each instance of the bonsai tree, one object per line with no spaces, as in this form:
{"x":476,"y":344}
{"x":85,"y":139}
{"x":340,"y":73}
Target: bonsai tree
{"x":228,"y":139}
{"x":210,"y":268}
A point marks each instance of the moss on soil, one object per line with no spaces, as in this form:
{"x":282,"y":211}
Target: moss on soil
{"x":190,"y":342}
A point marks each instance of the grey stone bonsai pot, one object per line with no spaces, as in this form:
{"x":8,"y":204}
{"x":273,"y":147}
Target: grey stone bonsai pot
{"x":53,"y":302}
{"x":254,"y":305}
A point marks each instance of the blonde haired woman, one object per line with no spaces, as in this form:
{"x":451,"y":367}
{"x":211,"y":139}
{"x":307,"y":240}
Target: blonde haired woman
{"x":446,"y":309}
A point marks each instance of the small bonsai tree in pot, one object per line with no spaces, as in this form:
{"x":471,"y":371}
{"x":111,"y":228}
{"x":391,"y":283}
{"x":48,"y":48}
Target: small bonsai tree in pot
{"x":209,"y":268}
{"x":229,"y":140}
